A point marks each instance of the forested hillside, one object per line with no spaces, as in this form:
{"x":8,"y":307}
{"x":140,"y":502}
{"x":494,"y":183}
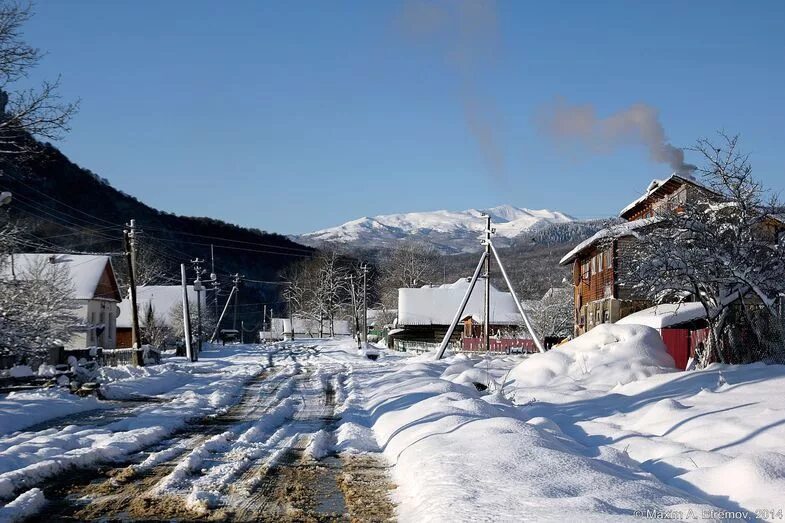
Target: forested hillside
{"x":60,"y":206}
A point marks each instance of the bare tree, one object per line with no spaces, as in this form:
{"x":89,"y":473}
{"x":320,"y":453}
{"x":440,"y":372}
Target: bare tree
{"x":410,"y":264}
{"x":721,"y":249}
{"x":39,"y":112}
{"x":150,"y":267}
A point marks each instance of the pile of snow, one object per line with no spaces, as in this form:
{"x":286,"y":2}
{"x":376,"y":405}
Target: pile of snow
{"x":24,"y":506}
{"x":20,"y":371}
{"x":19,"y":410}
{"x":605,"y":356}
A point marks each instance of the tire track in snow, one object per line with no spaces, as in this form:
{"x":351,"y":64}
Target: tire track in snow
{"x":109,"y":489}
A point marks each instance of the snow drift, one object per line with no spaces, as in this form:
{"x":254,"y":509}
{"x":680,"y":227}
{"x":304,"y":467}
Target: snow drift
{"x":603,"y":357}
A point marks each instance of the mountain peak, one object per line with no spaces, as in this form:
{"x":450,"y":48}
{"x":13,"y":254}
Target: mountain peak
{"x":448,"y":231}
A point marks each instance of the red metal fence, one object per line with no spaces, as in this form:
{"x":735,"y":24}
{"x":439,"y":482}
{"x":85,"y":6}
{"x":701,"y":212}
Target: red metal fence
{"x":503,"y":345}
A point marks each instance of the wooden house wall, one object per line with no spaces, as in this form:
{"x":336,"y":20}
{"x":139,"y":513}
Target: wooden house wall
{"x":107,"y":286}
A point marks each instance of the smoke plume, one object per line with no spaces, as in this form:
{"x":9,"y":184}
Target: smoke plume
{"x":464,"y":35}
{"x":639,"y":124}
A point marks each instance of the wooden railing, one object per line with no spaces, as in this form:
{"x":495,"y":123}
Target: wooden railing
{"x":499,"y":345}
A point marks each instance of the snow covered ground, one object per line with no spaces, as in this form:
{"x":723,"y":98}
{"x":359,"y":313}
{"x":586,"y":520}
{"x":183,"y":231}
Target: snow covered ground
{"x":600,"y":429}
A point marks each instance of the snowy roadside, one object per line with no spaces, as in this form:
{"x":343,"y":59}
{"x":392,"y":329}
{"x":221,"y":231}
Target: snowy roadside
{"x":604,"y":430}
{"x":183,"y":391}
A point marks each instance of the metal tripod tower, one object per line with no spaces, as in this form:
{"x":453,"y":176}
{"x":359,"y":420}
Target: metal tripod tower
{"x":485,"y":261}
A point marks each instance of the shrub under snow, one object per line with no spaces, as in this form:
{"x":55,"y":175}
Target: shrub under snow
{"x":605,"y":356}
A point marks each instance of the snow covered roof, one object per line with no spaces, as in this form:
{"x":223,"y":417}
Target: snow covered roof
{"x":658,"y":185}
{"x":85,"y":272}
{"x":614,"y":231}
{"x":163,"y":298}
{"x":665,"y":315}
{"x":436,"y":305}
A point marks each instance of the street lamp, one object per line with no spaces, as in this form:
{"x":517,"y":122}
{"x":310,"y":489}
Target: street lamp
{"x":5,"y":198}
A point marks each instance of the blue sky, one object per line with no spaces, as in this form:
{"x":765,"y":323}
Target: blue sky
{"x":294,"y":116}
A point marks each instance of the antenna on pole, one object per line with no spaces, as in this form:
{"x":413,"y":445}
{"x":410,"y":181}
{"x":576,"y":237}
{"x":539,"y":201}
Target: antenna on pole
{"x":485,"y":261}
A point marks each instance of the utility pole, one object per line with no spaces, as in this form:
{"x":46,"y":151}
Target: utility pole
{"x":242,"y":331}
{"x":236,"y":280}
{"x":198,"y":288}
{"x":488,"y":251}
{"x":486,"y":333}
{"x":354,"y":310}
{"x":186,"y":316}
{"x":214,"y":278}
{"x":223,"y":313}
{"x":365,"y":303}
{"x":129,"y":239}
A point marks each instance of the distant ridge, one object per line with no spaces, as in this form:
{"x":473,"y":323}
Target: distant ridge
{"x":449,"y":231}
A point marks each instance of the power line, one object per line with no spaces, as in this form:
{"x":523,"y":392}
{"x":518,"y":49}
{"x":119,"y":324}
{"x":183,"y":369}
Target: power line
{"x":59,"y":201}
{"x":303,"y":250}
{"x":241,"y":249}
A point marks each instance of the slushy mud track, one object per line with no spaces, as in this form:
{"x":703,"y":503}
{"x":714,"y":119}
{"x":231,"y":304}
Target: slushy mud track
{"x":273,"y":478}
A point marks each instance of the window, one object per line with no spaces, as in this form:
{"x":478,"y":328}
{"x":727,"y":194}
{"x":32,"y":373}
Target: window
{"x":599,"y":262}
{"x":609,"y":258}
{"x":607,"y":316}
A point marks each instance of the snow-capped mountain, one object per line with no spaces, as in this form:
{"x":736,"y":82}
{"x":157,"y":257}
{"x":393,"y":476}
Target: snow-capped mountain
{"x":449,"y":231}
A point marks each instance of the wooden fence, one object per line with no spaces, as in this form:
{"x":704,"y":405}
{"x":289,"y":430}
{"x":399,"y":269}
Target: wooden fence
{"x":499,"y":345}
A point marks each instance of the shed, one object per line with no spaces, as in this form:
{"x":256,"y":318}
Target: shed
{"x":683,"y":327}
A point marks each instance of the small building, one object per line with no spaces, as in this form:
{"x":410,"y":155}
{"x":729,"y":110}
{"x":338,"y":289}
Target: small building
{"x":164,"y":299}
{"x":425,"y":313}
{"x":95,"y":291}
{"x":683,"y":328}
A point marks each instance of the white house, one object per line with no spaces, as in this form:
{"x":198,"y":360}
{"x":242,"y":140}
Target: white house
{"x":163,"y":298}
{"x":95,"y":291}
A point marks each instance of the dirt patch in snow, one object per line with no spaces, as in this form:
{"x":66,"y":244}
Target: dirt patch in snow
{"x":366,"y":487}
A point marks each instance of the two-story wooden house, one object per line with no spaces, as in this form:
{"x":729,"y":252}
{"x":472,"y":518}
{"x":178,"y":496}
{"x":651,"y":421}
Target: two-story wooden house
{"x":599,"y":263}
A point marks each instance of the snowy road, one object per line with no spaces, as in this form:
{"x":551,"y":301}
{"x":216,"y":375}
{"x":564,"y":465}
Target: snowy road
{"x":268,"y":457}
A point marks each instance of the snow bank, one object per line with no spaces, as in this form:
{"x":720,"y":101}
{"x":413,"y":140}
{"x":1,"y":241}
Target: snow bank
{"x":460,"y":456}
{"x":20,"y":371}
{"x":19,"y":410}
{"x":603,"y":357}
{"x":755,"y":481}
{"x":24,"y":506}
{"x":321,"y":445}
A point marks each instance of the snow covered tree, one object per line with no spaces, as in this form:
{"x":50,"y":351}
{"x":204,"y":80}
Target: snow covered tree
{"x":25,"y":112}
{"x":209,"y":320}
{"x":722,"y":249}
{"x":317,"y":290}
{"x":553,"y":314}
{"x":155,"y":330}
{"x":37,"y":308}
